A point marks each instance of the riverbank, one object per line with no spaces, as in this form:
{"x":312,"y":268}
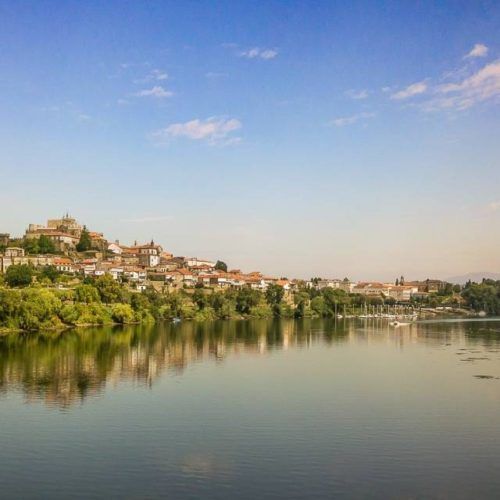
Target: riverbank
{"x":105,"y":301}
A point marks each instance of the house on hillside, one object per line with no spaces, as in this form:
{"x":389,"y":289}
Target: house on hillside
{"x":195,"y":262}
{"x":149,"y":254}
{"x":65,"y":265}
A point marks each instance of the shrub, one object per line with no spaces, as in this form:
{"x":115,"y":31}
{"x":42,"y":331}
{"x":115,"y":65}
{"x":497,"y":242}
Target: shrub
{"x":86,"y":294}
{"x":19,"y":275}
{"x":38,"y":309}
{"x":205,"y":314}
{"x":122,"y":313}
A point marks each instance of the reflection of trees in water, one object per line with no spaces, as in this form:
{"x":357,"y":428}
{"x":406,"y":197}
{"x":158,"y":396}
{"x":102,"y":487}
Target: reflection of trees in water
{"x":64,"y":368}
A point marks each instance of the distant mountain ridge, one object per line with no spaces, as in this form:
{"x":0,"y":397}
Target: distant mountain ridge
{"x":477,"y":277}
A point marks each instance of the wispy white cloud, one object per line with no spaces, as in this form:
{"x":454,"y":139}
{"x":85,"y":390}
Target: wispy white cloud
{"x":480,"y":86}
{"x":159,"y":75}
{"x":214,"y":130}
{"x":257,"y":53}
{"x":479,"y":50}
{"x":349,"y":120}
{"x":410,"y":91}
{"x":153,"y":75}
{"x":149,"y":218}
{"x":157,"y":91}
{"x":71,"y":110}
{"x":357,"y":94}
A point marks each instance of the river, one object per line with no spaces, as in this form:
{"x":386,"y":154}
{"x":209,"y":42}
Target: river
{"x":253,"y":409}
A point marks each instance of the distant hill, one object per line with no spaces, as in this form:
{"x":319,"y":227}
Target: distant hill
{"x":477,"y":277}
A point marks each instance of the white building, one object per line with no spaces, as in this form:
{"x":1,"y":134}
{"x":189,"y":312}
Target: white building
{"x":195,"y":262}
{"x":149,"y":254}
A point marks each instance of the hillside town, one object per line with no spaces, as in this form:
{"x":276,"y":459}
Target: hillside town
{"x":72,"y":249}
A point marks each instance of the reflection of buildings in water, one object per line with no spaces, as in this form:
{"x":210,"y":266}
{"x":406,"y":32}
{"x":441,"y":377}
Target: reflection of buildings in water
{"x":65,"y":368}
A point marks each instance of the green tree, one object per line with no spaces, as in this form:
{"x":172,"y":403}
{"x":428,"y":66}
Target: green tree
{"x":85,"y":242}
{"x":30,"y":246}
{"x":110,"y":290}
{"x":122,"y":313}
{"x":46,"y":245}
{"x":50,"y":272}
{"x":200,"y":299}
{"x":86,"y":294}
{"x":246,"y":298}
{"x":19,"y":275}
{"x":334,"y":300}
{"x":274,"y":296}
{"x":301,"y":300}
{"x":318,"y":305}
{"x":483,"y":297}
{"x":9,"y":304}
{"x":140,"y":301}
{"x":38,"y":309}
{"x":221,"y":266}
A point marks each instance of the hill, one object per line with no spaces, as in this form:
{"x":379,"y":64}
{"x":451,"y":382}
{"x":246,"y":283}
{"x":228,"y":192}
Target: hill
{"x":477,"y":277}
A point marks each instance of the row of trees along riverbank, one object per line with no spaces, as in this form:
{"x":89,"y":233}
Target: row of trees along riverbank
{"x":46,"y":299}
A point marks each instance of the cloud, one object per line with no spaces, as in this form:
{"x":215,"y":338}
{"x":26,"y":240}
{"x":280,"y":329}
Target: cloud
{"x":257,"y":53}
{"x":349,"y":120}
{"x":152,"y":218}
{"x":357,"y":94}
{"x":154,"y":75}
{"x":214,"y":130}
{"x":159,"y":75}
{"x":70,"y":110}
{"x":410,"y":91}
{"x":482,"y":85}
{"x":479,"y":50}
{"x":157,"y":91}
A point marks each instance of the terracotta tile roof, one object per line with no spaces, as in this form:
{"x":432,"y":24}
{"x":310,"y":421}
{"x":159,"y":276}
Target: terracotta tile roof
{"x":62,"y":261}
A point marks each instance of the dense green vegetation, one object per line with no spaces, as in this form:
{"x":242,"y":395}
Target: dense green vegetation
{"x":483,"y":296}
{"x":21,"y":275}
{"x":85,"y":242}
{"x":46,"y":298}
{"x":221,"y":266}
{"x":41,"y":245}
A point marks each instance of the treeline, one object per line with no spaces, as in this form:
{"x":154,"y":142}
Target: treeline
{"x":33,"y":246}
{"x":103,"y":300}
{"x":483,"y":296}
{"x":26,"y":304}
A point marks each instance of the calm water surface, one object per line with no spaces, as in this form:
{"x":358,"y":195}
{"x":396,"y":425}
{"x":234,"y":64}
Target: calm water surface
{"x":263,"y":409}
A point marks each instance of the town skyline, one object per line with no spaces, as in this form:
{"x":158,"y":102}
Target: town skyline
{"x":65,"y":233}
{"x":334,"y":139}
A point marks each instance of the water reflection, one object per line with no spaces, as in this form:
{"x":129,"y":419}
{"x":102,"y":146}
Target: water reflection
{"x":67,"y":367}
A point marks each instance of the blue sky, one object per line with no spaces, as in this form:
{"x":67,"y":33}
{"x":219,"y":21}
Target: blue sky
{"x":299,"y":138}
